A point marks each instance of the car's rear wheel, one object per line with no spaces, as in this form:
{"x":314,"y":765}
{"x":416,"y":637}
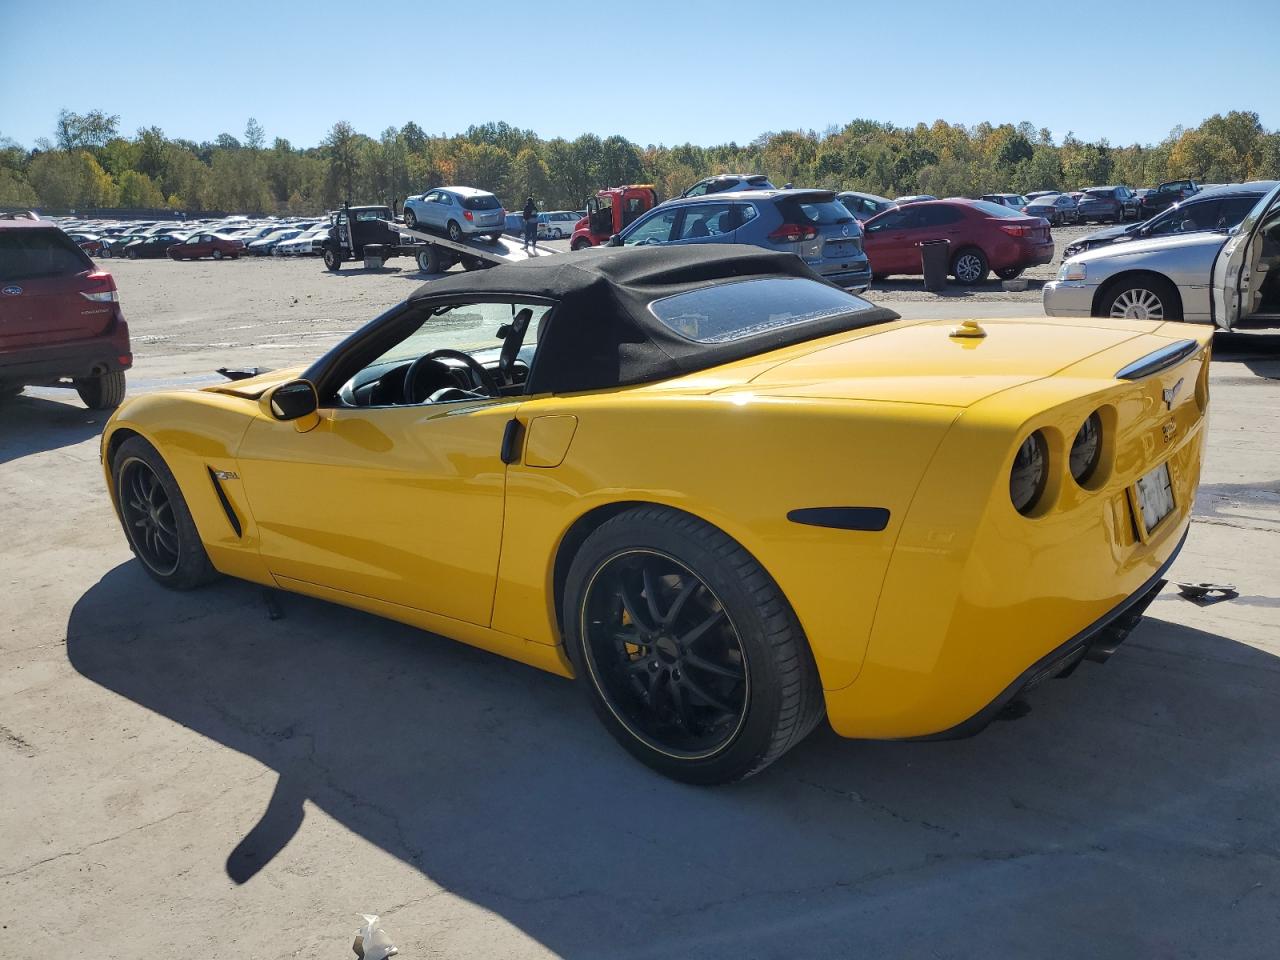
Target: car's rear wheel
{"x":970,"y":266}
{"x":132,"y":254}
{"x":217,"y":254}
{"x":1141,"y":298}
{"x":410,"y":219}
{"x":454,"y":231}
{"x":155,"y":518}
{"x":687,"y":649}
{"x":102,"y":393}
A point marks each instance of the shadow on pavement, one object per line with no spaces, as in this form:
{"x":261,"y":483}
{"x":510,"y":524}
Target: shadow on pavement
{"x":1131,"y":814}
{"x":32,"y":424}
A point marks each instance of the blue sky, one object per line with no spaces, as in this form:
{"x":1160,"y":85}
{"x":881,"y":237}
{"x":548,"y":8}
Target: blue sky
{"x":655,"y":72}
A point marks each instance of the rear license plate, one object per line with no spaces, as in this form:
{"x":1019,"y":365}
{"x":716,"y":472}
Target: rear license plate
{"x":1155,"y":496}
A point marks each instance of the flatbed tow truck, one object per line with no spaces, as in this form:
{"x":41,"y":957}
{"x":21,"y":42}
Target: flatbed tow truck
{"x":372,"y":235}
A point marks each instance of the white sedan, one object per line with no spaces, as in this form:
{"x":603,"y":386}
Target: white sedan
{"x":1217,"y":276}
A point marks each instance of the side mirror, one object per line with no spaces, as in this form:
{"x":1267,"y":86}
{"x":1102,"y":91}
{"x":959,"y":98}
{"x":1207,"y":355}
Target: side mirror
{"x":294,"y":400}
{"x":614,"y":241}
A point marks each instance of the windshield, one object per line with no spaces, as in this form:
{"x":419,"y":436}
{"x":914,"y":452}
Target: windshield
{"x":733,"y":311}
{"x":467,"y":327}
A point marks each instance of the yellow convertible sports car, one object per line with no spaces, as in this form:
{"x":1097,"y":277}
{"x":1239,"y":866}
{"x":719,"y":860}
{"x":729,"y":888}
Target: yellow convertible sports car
{"x":724,"y":495}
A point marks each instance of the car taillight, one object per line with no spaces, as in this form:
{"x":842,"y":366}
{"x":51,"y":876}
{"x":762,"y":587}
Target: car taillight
{"x":102,"y":288}
{"x":1016,"y":230}
{"x":794,"y":233}
{"x":468,"y":215}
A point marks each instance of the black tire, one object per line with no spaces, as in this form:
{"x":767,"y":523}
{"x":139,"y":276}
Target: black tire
{"x":879,"y":277}
{"x":9,"y":391}
{"x":582,"y":243}
{"x":969,"y":266}
{"x":132,"y":254}
{"x":332,"y":259}
{"x":1009,"y":273}
{"x":102,"y":393}
{"x":430,"y":261}
{"x":169,"y":546}
{"x":410,"y":219}
{"x":217,"y":254}
{"x":1140,"y":298}
{"x":756,"y":663}
{"x":454,"y":231}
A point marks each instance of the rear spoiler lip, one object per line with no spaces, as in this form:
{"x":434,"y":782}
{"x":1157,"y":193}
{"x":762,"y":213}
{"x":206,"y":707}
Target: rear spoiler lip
{"x":1159,"y":360}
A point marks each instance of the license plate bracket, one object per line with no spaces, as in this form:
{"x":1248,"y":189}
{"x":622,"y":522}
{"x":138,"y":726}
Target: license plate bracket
{"x":1153,"y":499}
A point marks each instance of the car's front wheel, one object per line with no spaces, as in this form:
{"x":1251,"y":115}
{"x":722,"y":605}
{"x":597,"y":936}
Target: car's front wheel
{"x":687,"y":649}
{"x":970,"y":266}
{"x":580,"y":244}
{"x":1141,"y":298}
{"x":102,"y":393}
{"x":155,"y":517}
{"x":332,"y":259}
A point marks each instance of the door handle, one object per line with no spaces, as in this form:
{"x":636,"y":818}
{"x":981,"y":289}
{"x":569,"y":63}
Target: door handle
{"x":512,"y":436}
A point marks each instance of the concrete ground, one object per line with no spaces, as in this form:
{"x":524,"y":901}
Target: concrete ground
{"x":185,"y":776}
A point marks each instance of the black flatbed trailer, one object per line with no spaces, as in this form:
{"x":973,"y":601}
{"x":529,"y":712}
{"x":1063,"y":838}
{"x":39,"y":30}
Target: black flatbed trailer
{"x":371,"y":236}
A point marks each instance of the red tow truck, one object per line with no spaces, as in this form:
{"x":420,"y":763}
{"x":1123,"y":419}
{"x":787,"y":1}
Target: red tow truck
{"x":609,"y":211}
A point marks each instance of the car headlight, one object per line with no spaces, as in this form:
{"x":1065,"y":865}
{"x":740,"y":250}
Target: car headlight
{"x":1029,"y":472}
{"x":1086,"y":449}
{"x":1072,"y":270}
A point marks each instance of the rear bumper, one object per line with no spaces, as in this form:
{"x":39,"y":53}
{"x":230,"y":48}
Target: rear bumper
{"x":79,"y":358}
{"x":1096,"y":642}
{"x":857,"y":278}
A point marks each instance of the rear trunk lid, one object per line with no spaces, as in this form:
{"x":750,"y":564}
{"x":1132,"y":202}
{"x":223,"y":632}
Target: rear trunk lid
{"x":924,"y":363}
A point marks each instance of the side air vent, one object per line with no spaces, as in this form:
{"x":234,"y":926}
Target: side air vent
{"x":226,"y":504}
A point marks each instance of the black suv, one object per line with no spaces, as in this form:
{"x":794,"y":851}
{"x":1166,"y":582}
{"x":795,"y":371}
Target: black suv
{"x":1218,"y":208}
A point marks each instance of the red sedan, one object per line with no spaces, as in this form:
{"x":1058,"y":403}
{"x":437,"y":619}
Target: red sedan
{"x":206,"y":245}
{"x":982,"y":236}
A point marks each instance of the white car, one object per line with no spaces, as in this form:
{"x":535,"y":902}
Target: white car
{"x":306,"y":244}
{"x":266,"y":244}
{"x":1216,"y":276}
{"x":557,"y":224}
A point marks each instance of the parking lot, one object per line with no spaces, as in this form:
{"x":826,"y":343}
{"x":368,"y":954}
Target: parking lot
{"x":187,"y":775}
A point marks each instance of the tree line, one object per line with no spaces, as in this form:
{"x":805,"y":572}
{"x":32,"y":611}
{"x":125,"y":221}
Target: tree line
{"x":89,"y":164}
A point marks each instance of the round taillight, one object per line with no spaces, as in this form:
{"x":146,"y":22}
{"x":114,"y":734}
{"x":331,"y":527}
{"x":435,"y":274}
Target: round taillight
{"x":1029,"y":473}
{"x":1086,"y":449}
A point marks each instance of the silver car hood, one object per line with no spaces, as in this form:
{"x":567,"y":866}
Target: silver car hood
{"x":1133,"y":248}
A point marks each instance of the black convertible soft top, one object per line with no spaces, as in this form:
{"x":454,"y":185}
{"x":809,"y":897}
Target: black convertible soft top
{"x":601,"y":333}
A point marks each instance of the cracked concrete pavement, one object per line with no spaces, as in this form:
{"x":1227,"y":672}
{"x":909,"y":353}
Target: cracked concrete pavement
{"x":184,"y":775}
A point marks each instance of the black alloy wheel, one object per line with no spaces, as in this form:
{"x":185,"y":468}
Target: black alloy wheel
{"x":664,"y":654}
{"x":687,"y":649}
{"x":156,"y":519}
{"x":148,"y":517}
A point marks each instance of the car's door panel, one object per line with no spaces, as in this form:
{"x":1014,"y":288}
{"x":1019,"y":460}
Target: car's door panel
{"x":1230,"y":268}
{"x":402,"y":504}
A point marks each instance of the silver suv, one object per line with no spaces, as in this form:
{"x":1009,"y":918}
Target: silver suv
{"x":812,"y":224}
{"x":457,"y":212}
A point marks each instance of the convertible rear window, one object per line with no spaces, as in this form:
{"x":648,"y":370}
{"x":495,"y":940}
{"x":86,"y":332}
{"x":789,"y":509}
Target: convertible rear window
{"x":745,"y":308}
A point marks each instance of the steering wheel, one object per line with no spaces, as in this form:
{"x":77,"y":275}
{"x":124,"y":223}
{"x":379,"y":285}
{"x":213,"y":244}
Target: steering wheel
{"x":411,"y":375}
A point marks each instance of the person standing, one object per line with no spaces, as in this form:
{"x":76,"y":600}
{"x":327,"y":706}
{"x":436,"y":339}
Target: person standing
{"x":530,"y":225}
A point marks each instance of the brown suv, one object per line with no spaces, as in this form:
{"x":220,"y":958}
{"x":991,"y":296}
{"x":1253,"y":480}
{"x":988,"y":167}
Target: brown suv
{"x":60,"y":317}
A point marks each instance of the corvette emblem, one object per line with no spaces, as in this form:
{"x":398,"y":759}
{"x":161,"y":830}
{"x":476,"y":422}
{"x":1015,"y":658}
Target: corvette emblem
{"x":11,"y":291}
{"x":1170,"y":393}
